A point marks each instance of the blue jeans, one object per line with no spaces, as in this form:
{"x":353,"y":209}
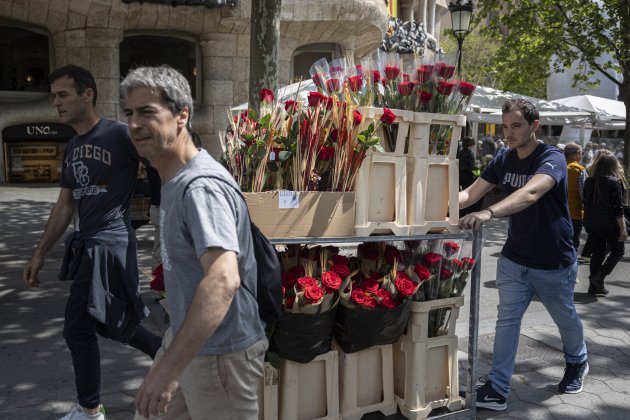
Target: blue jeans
{"x":517,"y":286}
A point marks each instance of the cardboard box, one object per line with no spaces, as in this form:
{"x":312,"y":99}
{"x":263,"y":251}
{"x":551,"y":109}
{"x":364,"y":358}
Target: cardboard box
{"x":290,"y":214}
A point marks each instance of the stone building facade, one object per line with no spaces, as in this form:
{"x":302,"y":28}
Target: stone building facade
{"x":91,"y":33}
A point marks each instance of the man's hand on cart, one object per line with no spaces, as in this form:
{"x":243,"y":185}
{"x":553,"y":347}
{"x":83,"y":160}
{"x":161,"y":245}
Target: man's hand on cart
{"x":476,"y":219}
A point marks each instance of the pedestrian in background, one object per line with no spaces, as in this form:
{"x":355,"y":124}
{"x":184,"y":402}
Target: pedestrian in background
{"x":208,"y":260}
{"x":575,"y":184}
{"x":603,"y":219}
{"x":468,"y":170}
{"x":98,"y":176}
{"x":538,"y":258}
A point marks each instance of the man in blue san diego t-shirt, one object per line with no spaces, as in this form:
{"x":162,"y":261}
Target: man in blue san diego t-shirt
{"x":538,"y":258}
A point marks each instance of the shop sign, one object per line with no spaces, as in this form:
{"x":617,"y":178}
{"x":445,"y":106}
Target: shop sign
{"x":32,"y":151}
{"x":38,"y":131}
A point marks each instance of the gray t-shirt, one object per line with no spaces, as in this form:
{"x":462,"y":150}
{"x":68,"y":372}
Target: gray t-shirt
{"x":205,"y":214}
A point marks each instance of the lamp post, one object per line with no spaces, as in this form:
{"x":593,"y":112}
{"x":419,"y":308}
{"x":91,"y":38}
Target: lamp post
{"x":461,"y":13}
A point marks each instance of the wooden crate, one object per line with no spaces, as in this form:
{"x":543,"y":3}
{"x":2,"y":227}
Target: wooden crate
{"x":380,"y":195}
{"x":426,"y":377}
{"x":432,"y":195}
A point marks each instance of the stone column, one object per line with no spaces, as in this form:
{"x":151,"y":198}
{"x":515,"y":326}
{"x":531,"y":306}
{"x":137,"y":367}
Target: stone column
{"x":421,"y":12}
{"x":222,"y":71}
{"x":431,"y":17}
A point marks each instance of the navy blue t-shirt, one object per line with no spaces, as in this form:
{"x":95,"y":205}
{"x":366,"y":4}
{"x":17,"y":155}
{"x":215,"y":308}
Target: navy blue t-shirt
{"x":101,"y":168}
{"x":539,"y":236}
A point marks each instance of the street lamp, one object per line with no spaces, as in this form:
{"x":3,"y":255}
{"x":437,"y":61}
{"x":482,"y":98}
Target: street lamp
{"x":461,"y":13}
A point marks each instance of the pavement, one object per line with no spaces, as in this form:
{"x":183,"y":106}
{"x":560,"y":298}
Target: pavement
{"x":36,"y":380}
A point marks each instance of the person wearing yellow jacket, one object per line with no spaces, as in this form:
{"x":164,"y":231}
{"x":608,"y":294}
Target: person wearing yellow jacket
{"x":575,"y":185}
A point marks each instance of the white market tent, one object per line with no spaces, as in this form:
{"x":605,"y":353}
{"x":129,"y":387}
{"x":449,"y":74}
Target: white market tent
{"x":485,"y":107}
{"x":609,"y":114}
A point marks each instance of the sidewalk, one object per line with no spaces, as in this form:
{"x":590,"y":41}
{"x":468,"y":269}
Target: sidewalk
{"x":36,"y":380}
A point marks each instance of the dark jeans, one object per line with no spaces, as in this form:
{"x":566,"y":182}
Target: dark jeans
{"x":602,"y":242}
{"x":80,"y":330}
{"x":577,"y":230}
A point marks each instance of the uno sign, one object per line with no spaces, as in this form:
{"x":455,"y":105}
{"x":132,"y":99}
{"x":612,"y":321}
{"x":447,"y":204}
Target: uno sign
{"x":41,"y":130}
{"x":38,"y":131}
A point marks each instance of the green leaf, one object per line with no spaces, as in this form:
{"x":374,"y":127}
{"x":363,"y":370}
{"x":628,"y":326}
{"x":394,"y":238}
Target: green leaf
{"x":251,"y":113}
{"x":264,"y":121}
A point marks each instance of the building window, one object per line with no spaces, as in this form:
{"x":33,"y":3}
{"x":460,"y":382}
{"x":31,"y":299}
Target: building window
{"x":306,"y":55}
{"x":180,"y":52}
{"x":24,"y":60}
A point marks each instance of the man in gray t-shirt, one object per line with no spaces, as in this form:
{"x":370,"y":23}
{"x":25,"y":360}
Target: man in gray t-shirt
{"x":212,"y":357}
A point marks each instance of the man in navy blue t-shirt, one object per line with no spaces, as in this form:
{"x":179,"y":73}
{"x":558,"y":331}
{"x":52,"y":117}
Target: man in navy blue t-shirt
{"x":538,"y":258}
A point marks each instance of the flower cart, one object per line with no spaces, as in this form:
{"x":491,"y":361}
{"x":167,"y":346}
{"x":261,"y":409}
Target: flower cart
{"x":334,"y":400}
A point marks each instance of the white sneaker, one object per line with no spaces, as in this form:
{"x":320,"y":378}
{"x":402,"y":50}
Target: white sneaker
{"x":77,"y":413}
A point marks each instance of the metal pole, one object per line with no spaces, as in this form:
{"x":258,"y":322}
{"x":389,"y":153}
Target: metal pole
{"x":460,"y":42}
{"x":473,"y":325}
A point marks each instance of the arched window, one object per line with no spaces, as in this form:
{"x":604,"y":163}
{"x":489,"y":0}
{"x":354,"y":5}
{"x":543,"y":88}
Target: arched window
{"x":306,"y":55}
{"x":151,"y":49}
{"x":24,"y":59}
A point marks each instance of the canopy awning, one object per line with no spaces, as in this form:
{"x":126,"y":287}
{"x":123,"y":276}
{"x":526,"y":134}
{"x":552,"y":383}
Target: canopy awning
{"x":609,"y":114}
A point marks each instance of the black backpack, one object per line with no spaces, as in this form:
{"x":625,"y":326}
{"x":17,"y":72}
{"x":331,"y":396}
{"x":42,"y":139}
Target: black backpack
{"x":269,"y":274}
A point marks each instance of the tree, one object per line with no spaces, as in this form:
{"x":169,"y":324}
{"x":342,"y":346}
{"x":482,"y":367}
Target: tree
{"x":483,"y":64}
{"x":264,"y":43}
{"x":568,"y":33}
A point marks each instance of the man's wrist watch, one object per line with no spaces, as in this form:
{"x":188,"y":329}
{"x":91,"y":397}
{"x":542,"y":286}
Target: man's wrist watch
{"x":492,"y":214}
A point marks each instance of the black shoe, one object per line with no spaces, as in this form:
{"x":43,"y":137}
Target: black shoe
{"x":488,"y":398}
{"x":597,"y":281}
{"x":573,"y":379}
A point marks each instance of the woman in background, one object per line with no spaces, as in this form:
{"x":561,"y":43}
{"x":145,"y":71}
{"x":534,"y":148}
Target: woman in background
{"x":603,"y":218}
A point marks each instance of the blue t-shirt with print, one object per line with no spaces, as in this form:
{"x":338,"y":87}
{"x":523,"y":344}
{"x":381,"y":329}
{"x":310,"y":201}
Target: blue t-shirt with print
{"x":539,"y":236}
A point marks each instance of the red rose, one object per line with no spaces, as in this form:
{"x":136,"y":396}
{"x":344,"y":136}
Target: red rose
{"x":392,"y":72}
{"x":388,"y":303}
{"x":356,"y":117}
{"x":336,"y":69}
{"x":315,"y":98}
{"x":445,"y":71}
{"x":405,"y":286}
{"x":382,"y":294}
{"x":333,"y":85}
{"x":333,"y":135}
{"x":341,"y":269}
{"x":306,"y":282}
{"x":371,"y":302}
{"x":405,"y":88}
{"x":339,"y":259}
{"x":330,"y":101}
{"x":469,"y":263}
{"x":376,"y":76}
{"x":355,"y":83}
{"x":402,"y":275}
{"x":370,"y":285}
{"x":451,"y":246}
{"x":424,"y":73}
{"x":457,"y":264}
{"x":388,"y":116}
{"x":422,"y":272}
{"x":425,"y":96}
{"x":359,"y":297}
{"x":331,"y":281}
{"x":359,"y":69}
{"x":391,"y":254}
{"x":445,"y":88}
{"x":298,"y":270}
{"x":290,"y":106}
{"x":326,"y":153}
{"x":266,"y":96}
{"x":313,"y":294}
{"x":466,"y":88}
{"x":317,"y":80}
{"x":431,"y":259}
{"x":445,"y":273}
{"x":289,"y":279}
{"x":406,"y":77}
{"x":288,"y":302}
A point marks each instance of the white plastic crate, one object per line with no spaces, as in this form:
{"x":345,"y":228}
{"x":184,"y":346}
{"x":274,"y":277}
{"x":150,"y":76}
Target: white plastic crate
{"x":367,"y":382}
{"x":414,"y":131}
{"x":420,"y":133}
{"x":381,"y":205}
{"x":310,"y":391}
{"x":426,"y":377}
{"x":418,"y":325}
{"x":432,"y":195}
{"x":268,"y":394}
